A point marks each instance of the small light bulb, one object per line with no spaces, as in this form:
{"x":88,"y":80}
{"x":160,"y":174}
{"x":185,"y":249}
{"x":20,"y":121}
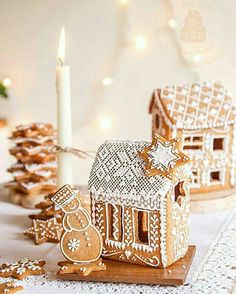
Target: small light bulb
{"x":197,"y":58}
{"x":105,"y":123}
{"x":107,"y":81}
{"x":140,"y":42}
{"x":7,"y":82}
{"x":124,"y":1}
{"x":172,"y":23}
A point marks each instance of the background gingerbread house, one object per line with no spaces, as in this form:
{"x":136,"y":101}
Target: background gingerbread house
{"x":203,"y":116}
{"x":143,"y":220}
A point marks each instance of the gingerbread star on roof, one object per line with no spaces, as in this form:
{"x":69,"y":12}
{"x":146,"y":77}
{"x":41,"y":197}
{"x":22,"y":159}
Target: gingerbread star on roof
{"x":162,"y":157}
{"x":45,"y":231}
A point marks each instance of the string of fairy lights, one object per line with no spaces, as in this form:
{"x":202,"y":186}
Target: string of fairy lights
{"x":139,"y":42}
{"x":6,"y":82}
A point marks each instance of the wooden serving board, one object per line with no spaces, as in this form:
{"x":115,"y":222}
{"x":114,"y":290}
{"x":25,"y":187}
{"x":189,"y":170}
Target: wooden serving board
{"x":121,"y":272}
{"x":213,"y":201}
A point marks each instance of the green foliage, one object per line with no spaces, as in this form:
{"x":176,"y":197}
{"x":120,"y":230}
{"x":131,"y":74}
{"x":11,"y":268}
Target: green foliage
{"x":3,"y":91}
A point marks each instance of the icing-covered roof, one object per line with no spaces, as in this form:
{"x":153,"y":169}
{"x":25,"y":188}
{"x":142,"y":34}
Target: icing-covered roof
{"x":195,"y":105}
{"x":118,"y":175}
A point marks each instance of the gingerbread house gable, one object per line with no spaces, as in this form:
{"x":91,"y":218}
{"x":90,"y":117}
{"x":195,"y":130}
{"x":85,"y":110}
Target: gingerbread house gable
{"x":138,"y":216}
{"x":195,"y":105}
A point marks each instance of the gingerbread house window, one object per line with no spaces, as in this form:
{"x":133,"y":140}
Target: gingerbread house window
{"x":215,"y":177}
{"x":196,"y":178}
{"x":115,"y":228}
{"x":143,"y":227}
{"x":179,"y":190}
{"x":218,"y":144}
{"x":157,"y":121}
{"x":193,"y":143}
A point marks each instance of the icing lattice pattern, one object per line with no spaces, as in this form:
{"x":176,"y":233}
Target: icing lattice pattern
{"x":198,"y":105}
{"x":118,"y":174}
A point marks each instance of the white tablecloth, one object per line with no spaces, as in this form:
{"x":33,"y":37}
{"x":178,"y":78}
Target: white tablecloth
{"x":14,"y":246}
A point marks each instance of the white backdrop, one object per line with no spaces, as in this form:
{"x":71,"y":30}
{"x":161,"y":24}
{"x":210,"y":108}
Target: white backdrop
{"x":100,"y":42}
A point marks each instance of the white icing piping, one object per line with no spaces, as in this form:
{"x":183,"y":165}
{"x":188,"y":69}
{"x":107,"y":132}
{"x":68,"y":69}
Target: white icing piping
{"x":34,"y":166}
{"x":152,"y":202}
{"x":180,"y":126}
{"x":38,"y":140}
{"x":31,"y":150}
{"x":163,"y":231}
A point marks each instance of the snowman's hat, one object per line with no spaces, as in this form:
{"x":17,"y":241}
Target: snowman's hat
{"x":64,"y":196}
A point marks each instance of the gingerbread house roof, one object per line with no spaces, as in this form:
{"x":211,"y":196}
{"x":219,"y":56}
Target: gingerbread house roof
{"x":196,"y":105}
{"x":118,"y":176}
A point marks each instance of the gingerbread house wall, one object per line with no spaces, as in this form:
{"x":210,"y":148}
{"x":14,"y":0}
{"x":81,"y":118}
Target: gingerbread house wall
{"x":165,"y":229}
{"x":177,"y":233}
{"x":125,"y":245}
{"x":212,"y":160}
{"x":213,"y":169}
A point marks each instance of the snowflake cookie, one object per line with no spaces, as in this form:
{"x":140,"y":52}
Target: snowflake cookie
{"x":22,"y":269}
{"x":9,"y":288}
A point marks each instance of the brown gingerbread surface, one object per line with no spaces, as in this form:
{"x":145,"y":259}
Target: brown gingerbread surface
{"x":10,"y":288}
{"x":22,"y":268}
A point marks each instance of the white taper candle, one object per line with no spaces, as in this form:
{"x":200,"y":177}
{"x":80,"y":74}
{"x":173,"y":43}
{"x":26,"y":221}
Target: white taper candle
{"x":64,"y":128}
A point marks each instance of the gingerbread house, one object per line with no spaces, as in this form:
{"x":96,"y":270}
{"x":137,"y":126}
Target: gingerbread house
{"x":203,"y":116}
{"x":143,"y":219}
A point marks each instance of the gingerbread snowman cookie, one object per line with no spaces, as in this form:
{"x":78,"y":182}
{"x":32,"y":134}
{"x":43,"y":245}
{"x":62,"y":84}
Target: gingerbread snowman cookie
{"x":81,"y":242}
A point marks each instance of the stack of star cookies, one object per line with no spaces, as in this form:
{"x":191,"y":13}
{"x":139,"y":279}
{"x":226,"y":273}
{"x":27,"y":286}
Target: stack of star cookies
{"x":34,"y":174}
{"x":47,"y":210}
{"x":47,"y":224}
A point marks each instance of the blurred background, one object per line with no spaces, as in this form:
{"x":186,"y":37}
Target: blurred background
{"x":119,"y":51}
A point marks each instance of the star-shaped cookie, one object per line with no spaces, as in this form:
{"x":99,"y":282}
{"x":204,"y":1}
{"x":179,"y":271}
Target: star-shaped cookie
{"x":42,"y":231}
{"x":81,"y":269}
{"x":9,"y":288}
{"x":22,"y":269}
{"x":162,"y":157}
